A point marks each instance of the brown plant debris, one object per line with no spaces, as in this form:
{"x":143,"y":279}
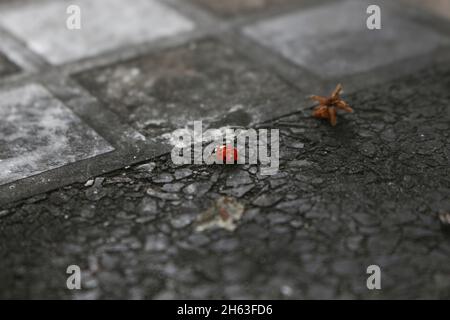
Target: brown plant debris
{"x":327,"y":108}
{"x":224,"y":213}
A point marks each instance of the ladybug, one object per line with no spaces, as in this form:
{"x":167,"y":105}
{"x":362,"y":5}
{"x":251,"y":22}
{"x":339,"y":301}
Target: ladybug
{"x":227,"y":154}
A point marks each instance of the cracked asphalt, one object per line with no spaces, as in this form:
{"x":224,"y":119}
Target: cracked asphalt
{"x":369,"y":191}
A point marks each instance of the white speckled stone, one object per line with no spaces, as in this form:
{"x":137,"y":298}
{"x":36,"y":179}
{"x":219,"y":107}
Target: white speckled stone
{"x":333,"y":40}
{"x":39,"y":133}
{"x":106,"y":25}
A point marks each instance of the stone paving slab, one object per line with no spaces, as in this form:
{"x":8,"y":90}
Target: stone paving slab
{"x":19,"y":54}
{"x":6,"y":66}
{"x":439,"y":7}
{"x":343,"y":45}
{"x":129,"y":146}
{"x":107,"y":25}
{"x":233,"y":8}
{"x":205,"y":80}
{"x":38,"y":133}
{"x":368,"y":191}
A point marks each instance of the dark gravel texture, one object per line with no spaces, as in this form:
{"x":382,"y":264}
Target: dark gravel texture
{"x":368,"y":191}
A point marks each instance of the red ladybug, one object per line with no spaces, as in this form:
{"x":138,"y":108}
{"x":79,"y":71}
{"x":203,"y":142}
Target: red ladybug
{"x":227,"y":153}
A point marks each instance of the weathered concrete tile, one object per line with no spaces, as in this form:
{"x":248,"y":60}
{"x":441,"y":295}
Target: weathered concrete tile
{"x":232,"y":8}
{"x":204,"y":80}
{"x":105,"y":25}
{"x":333,"y":40}
{"x":440,"y":7}
{"x":6,"y":66}
{"x":38,"y":133}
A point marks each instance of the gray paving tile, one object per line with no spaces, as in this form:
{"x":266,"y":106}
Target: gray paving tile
{"x":38,"y":133}
{"x":232,"y":8}
{"x":106,"y":25}
{"x":6,"y":66}
{"x":204,"y":80}
{"x":333,"y":40}
{"x":439,"y":7}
